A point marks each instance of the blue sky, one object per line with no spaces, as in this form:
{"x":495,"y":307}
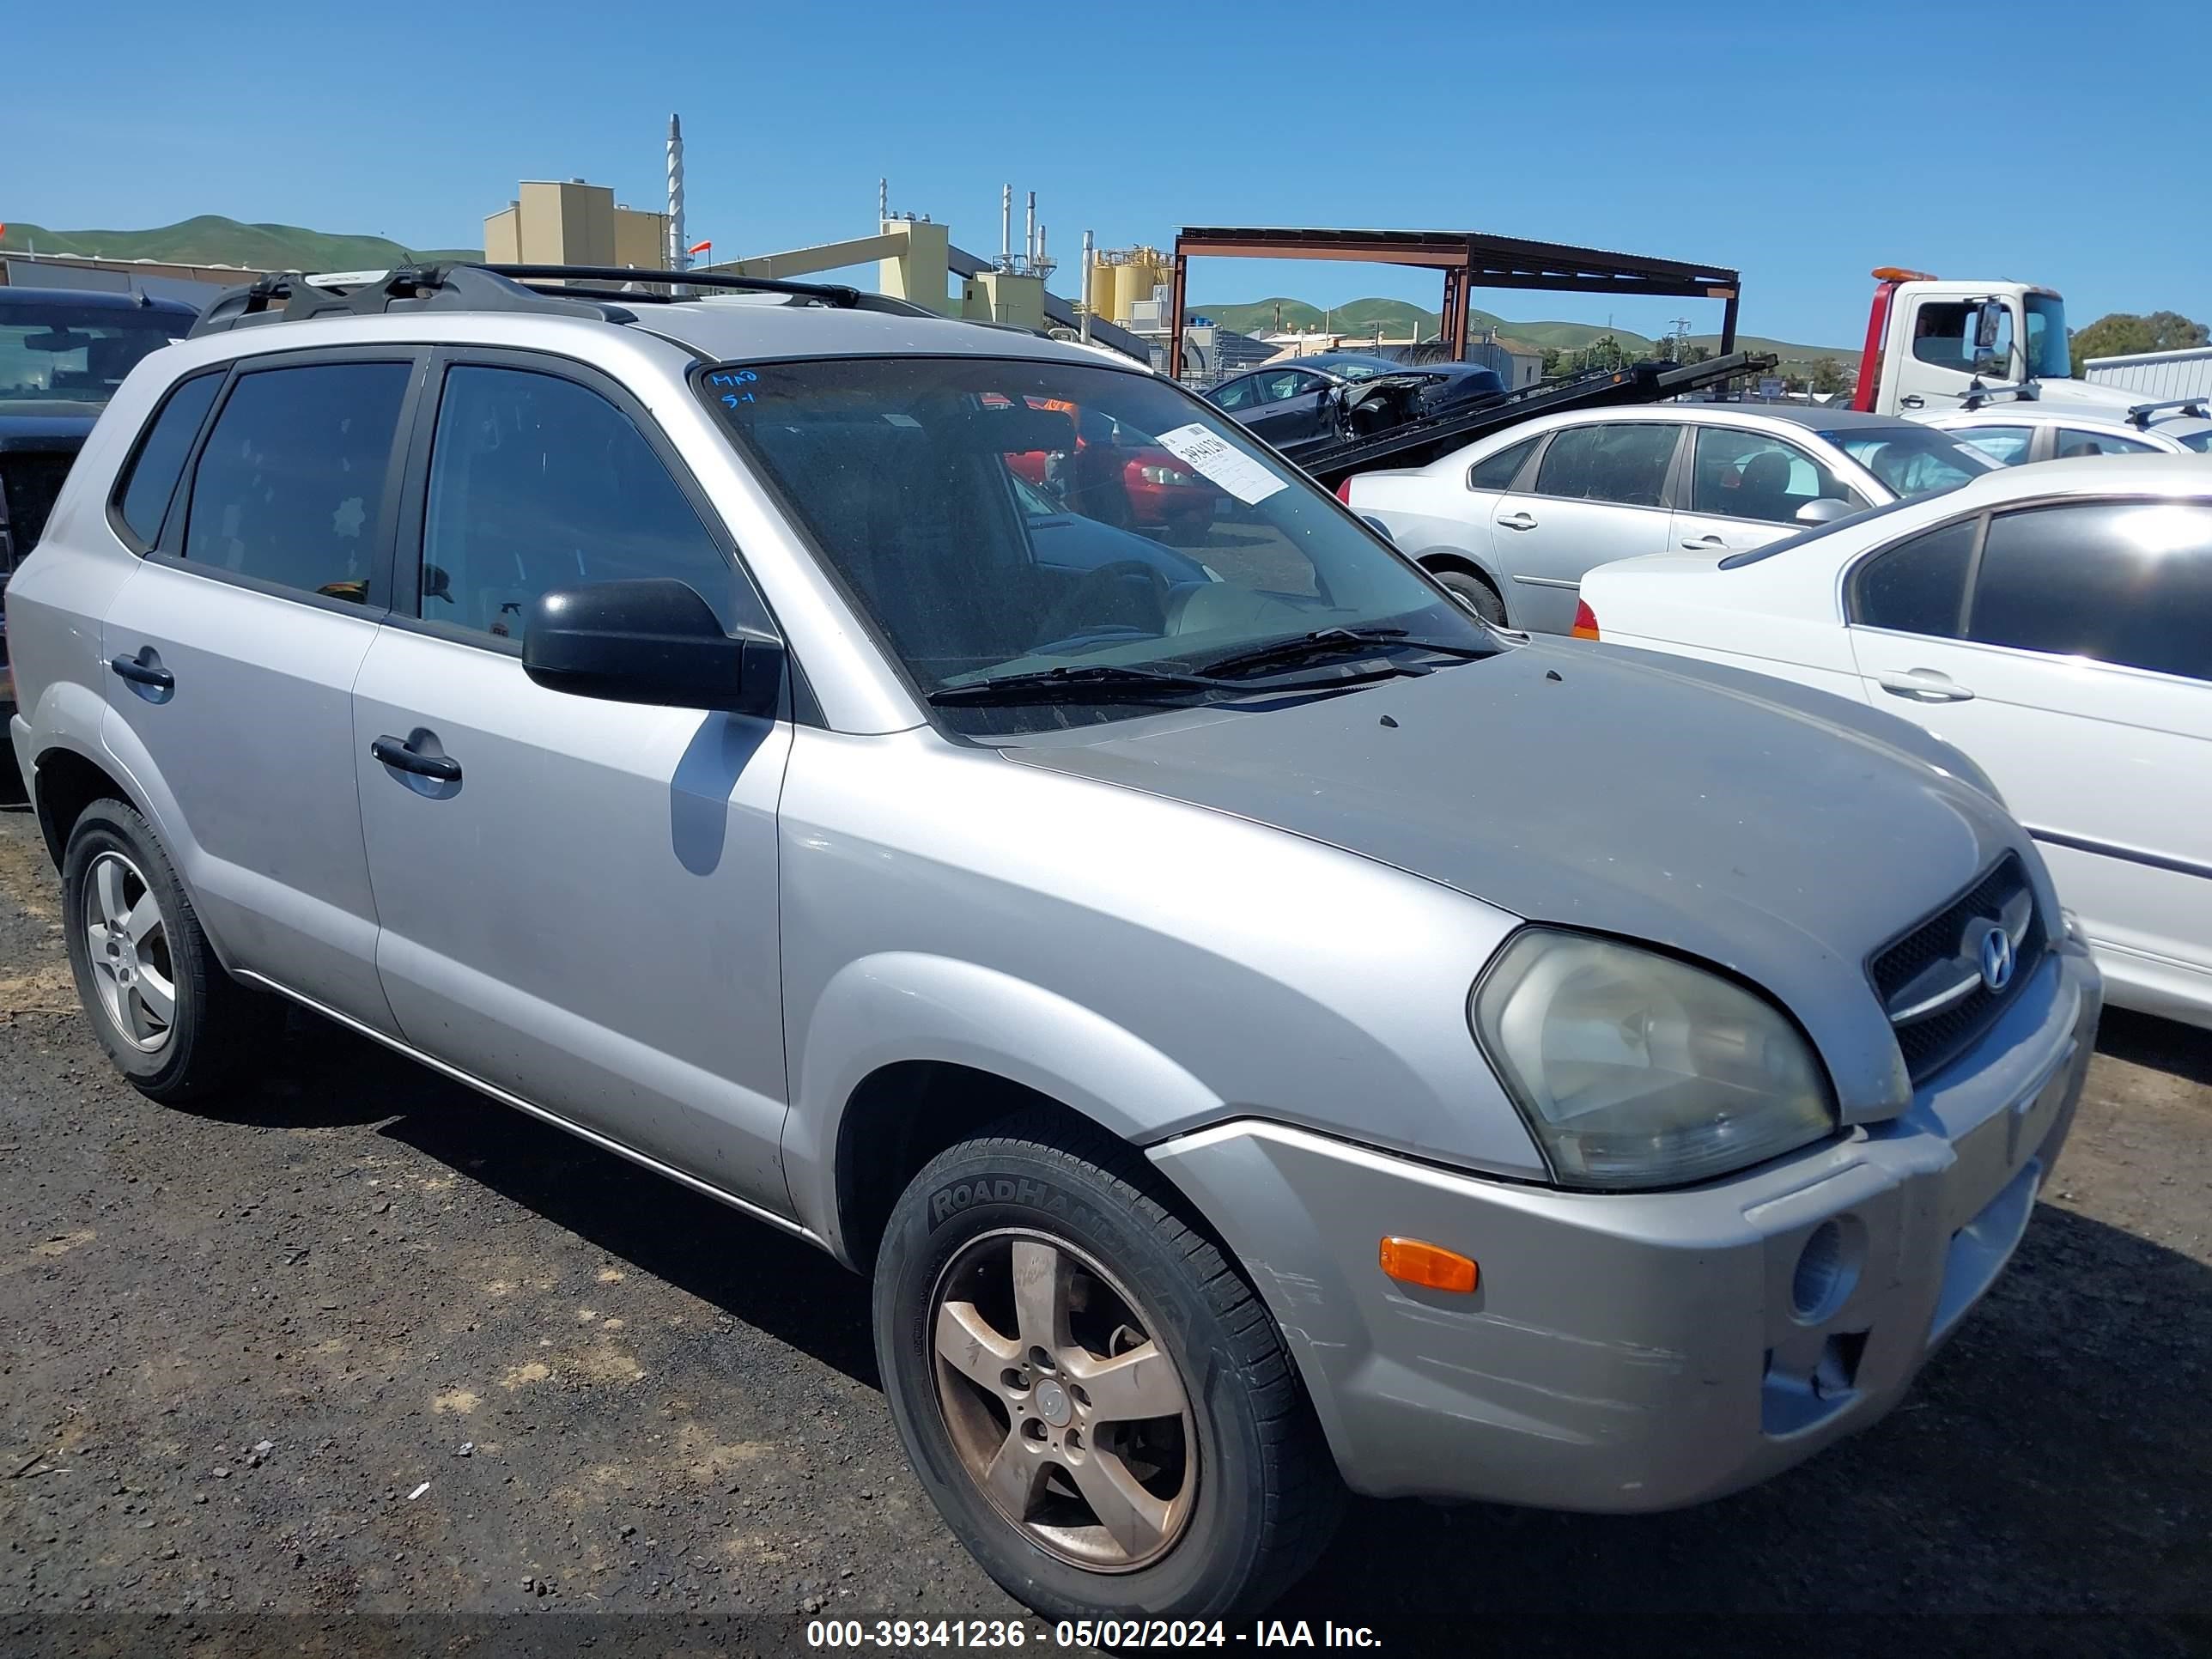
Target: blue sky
{"x":1802,"y":144}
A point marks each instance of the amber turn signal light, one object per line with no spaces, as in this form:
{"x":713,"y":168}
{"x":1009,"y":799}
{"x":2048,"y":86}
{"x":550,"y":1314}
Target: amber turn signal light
{"x":1411,"y":1261}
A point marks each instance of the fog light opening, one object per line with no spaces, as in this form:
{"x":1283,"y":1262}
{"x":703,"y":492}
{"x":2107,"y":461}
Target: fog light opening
{"x":1827,"y":1269}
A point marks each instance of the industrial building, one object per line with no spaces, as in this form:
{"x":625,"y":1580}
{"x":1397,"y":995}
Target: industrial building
{"x":573,"y":223}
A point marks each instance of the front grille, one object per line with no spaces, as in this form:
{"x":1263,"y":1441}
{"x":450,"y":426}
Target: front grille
{"x":1932,"y":1042}
{"x":29,"y":483}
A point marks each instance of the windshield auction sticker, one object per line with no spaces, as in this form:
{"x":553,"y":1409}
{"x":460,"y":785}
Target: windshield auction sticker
{"x":1220,"y":463}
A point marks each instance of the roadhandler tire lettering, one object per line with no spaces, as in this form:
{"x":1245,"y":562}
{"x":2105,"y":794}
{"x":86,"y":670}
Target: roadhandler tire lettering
{"x":948,"y":1201}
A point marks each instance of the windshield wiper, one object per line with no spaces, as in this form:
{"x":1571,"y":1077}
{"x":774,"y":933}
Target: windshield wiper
{"x":1087,"y":682}
{"x":1336,"y":642}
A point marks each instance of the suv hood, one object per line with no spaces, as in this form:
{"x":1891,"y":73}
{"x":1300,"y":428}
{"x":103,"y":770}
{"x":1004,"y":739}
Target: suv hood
{"x":1781,"y":833}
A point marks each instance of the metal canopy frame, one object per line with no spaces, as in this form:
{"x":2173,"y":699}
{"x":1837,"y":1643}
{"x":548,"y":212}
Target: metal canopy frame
{"x":1469,"y":259}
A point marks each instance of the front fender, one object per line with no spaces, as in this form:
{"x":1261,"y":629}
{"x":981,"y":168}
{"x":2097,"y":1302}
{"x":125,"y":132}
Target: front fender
{"x":907,"y":1005}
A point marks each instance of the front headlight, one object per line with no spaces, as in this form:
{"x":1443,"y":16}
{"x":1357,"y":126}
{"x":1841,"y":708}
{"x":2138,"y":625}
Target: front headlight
{"x":1636,"y":1070}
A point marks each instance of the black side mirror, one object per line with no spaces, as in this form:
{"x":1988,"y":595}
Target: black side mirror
{"x":655,"y":641}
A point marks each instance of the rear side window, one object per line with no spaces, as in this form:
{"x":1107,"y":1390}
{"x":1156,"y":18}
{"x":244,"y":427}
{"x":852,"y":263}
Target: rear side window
{"x":2077,"y":440}
{"x":1918,"y":587}
{"x":1626,"y":465}
{"x":290,"y":486}
{"x":537,"y":483}
{"x":1237,"y":394}
{"x":2125,"y":582}
{"x":1497,"y":472}
{"x":154,"y":470}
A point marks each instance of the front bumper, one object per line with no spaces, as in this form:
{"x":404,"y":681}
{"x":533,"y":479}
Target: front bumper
{"x":1628,"y":1352}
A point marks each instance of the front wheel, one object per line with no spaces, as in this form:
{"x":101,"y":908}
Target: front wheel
{"x":1098,"y":1404}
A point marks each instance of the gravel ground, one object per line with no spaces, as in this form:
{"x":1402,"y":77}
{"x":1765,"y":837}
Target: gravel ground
{"x":360,"y":1343}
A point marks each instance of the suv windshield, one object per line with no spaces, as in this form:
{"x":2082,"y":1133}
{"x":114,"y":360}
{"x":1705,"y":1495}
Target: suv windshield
{"x":1913,"y":460}
{"x":66,"y":354}
{"x":1171,"y":543}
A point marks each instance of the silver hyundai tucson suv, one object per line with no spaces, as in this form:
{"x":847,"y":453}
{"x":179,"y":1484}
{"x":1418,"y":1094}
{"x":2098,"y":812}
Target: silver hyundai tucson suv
{"x":1263,"y":1030}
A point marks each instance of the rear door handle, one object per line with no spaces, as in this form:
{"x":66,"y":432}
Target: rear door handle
{"x":395,"y":753}
{"x":1923,"y":685}
{"x":144,"y":673}
{"x":1705,"y":545}
{"x":1518,"y":521}
{"x":1913,"y":401}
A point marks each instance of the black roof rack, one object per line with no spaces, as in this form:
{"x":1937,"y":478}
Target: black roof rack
{"x":291,"y":296}
{"x":2141,"y":413}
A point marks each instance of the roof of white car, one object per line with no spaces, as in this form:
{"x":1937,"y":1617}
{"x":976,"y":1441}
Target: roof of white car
{"x":2108,"y":417}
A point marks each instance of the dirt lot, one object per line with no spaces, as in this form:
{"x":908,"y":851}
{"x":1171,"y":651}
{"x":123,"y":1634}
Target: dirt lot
{"x":359,"y":1342}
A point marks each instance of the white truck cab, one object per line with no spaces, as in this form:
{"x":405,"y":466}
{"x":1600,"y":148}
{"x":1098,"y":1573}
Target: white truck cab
{"x":1932,"y":345}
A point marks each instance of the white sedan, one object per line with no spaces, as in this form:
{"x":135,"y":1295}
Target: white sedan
{"x":1510,"y":522}
{"x":2055,"y":623}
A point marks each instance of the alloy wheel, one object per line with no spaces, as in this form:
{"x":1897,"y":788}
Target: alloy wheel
{"x":1068,"y":1414}
{"x":127,"y":942}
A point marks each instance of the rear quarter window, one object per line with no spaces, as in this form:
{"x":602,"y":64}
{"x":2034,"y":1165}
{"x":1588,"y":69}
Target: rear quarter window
{"x":148,"y":481}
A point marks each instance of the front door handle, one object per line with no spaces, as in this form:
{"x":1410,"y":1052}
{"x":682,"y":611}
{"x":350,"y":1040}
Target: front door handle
{"x":1705,"y":545}
{"x":1518,"y":521}
{"x":1912,"y":400}
{"x":1923,"y":685}
{"x":150,"y":674}
{"x":395,"y":753}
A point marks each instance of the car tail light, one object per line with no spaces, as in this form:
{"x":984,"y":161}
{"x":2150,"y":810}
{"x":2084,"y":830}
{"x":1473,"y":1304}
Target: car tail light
{"x":1585,"y":626}
{"x":1344,"y":492}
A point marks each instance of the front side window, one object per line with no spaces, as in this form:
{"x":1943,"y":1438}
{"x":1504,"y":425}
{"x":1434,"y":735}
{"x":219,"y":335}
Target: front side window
{"x":1284,"y":383}
{"x":1179,"y":544}
{"x":2080,"y":440}
{"x":69,"y":356}
{"x":2124,"y":582}
{"x":2008,"y":446}
{"x":1912,"y":460}
{"x":1497,"y":472}
{"x":537,"y":483}
{"x":160,"y":461}
{"x":290,"y":487}
{"x":1918,"y":587}
{"x":1624,"y":463}
{"x":1748,"y":475}
{"x":1947,"y":334}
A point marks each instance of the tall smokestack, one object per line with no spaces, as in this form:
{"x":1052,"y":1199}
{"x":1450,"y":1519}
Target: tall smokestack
{"x":1083,"y":287}
{"x":1006,"y":227}
{"x":1029,"y":232}
{"x":678,"y":244}
{"x":882,"y":200}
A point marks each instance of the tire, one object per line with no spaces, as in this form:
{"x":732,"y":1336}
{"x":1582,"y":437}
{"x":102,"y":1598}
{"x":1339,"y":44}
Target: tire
{"x":1241,"y":1495}
{"x":1477,"y":593}
{"x":170,"y":1018}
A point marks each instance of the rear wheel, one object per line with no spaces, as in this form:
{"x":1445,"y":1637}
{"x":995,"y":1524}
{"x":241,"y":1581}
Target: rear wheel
{"x":1096,"y":1402}
{"x":1475,"y":591}
{"x":171,"y":1020}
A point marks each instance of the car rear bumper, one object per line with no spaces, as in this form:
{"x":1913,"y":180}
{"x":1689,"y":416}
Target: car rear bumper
{"x":1629,"y":1351}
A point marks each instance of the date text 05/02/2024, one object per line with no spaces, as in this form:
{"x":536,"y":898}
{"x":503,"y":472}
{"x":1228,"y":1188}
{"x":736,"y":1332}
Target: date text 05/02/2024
{"x":897,"y":1634}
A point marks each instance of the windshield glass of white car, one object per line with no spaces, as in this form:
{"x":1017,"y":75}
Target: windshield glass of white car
{"x":1913,"y":460}
{"x":1044,"y":543}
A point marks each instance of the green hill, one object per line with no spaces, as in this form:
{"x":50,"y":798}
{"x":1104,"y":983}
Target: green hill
{"x":1356,"y":317}
{"x":211,"y":239}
